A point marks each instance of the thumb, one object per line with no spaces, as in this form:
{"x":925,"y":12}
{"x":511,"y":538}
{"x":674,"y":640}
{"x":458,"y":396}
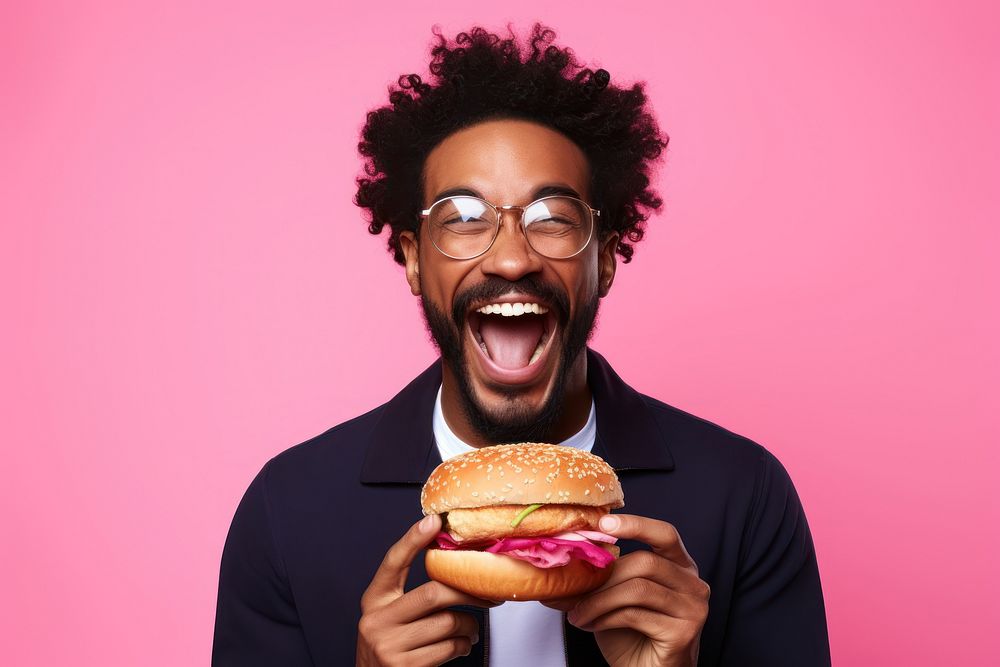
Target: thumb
{"x":391,"y":574}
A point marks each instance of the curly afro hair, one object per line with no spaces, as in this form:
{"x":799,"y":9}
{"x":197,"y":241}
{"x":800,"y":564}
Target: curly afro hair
{"x":482,"y":76}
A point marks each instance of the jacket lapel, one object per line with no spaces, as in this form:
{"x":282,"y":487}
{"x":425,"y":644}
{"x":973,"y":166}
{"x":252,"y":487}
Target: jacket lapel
{"x":401,"y":448}
{"x":628,"y":436}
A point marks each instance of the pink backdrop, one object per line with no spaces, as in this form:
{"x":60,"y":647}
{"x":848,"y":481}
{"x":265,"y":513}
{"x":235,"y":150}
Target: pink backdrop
{"x":188,"y":290}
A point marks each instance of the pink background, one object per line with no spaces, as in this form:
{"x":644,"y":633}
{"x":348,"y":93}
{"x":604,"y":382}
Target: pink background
{"x":187,"y":289}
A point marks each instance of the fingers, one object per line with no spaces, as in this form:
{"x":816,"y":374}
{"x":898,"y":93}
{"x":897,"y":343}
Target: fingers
{"x":660,"y":535}
{"x":390,"y":577}
{"x":655,"y":601}
{"x":647,"y":592}
{"x":439,"y":627}
{"x":431,"y":640}
{"x":648,"y":565}
{"x":643,"y":565}
{"x":647,"y":622}
{"x":440,"y":652}
{"x":427,"y":598}
{"x":413,"y":628}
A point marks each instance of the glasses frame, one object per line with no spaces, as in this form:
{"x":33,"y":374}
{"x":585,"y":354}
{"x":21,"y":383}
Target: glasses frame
{"x":594,"y":213}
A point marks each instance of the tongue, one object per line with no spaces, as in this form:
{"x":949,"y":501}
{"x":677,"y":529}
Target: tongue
{"x":511,"y":340}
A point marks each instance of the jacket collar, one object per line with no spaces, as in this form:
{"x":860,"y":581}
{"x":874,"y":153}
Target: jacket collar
{"x":401,"y":448}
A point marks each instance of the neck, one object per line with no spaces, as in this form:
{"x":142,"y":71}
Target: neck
{"x":575,"y":407}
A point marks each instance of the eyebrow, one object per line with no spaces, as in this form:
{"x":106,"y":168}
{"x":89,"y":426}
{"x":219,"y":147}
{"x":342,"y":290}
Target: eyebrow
{"x":544,"y":191}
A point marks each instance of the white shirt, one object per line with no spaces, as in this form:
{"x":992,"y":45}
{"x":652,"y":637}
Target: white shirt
{"x":521,"y":633}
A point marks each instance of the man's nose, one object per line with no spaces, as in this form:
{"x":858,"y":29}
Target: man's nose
{"x":510,"y":256}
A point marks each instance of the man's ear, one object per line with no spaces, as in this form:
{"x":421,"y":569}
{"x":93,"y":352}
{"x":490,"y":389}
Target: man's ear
{"x":411,"y":255}
{"x":607,"y":263}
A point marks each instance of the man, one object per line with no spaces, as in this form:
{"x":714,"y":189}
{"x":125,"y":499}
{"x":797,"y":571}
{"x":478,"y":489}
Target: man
{"x":509,"y":186}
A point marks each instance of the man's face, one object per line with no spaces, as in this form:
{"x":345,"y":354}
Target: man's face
{"x":512,"y":373}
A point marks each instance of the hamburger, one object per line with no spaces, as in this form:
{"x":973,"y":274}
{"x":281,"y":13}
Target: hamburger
{"x":519,"y":522}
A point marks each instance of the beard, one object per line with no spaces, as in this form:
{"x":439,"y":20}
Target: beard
{"x":513,"y":422}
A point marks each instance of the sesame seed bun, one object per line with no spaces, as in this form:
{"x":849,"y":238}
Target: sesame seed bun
{"x":522,"y":474}
{"x":481,"y":493}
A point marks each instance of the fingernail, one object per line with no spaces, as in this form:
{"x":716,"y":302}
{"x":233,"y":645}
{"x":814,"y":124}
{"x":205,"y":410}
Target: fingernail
{"x":609,"y":523}
{"x":427,"y":523}
{"x":475,"y":639}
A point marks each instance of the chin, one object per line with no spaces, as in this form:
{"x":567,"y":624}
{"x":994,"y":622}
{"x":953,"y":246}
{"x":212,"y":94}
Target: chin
{"x":510,"y":415}
{"x":511,"y":371}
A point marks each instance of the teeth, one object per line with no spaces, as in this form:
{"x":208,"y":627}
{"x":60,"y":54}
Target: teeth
{"x":513,"y":309}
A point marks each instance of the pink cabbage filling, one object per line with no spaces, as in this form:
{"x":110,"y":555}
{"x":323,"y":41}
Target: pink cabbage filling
{"x":554,"y":551}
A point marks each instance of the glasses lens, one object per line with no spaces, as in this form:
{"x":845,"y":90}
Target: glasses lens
{"x":558,"y":226}
{"x":462,"y":227}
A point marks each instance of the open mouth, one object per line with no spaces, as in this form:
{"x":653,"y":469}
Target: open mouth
{"x":512,"y":337}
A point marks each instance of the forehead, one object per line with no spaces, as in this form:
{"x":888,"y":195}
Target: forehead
{"x":505,"y":161}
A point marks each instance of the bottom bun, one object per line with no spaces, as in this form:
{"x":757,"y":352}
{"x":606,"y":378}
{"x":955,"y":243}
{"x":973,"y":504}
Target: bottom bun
{"x":498,"y":577}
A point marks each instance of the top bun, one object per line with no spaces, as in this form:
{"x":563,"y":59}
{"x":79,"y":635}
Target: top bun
{"x":522,"y":474}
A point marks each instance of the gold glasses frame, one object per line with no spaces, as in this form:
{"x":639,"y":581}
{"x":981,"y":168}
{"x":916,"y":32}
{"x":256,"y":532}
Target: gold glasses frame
{"x":594,"y":213}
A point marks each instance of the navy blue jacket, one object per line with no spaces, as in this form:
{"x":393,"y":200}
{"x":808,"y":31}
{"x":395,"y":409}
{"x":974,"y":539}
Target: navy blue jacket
{"x":315,"y":523}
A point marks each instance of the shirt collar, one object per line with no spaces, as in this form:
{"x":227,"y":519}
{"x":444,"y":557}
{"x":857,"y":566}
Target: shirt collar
{"x":401,"y":449}
{"x":449,"y":444}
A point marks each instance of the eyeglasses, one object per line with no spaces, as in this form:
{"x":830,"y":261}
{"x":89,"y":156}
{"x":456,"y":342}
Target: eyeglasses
{"x":557,"y":227}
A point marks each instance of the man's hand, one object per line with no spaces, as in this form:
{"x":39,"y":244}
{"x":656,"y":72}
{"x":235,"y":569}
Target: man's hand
{"x":652,"y":609}
{"x":413,"y":628}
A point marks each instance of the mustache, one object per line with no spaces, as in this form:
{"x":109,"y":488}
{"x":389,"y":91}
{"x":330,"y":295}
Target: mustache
{"x":494,"y":288}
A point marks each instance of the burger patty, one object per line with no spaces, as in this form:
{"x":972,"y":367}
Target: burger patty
{"x":493,"y":522}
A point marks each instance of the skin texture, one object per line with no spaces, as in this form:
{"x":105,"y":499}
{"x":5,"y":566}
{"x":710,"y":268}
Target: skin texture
{"x":508,"y":162}
{"x":415,"y":627}
{"x":653,"y":608}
